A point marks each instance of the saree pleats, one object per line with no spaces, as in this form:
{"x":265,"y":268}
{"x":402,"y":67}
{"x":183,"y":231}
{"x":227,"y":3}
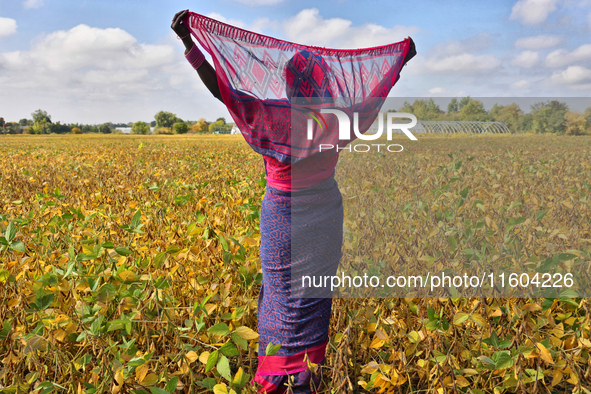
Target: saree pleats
{"x":301,"y":231}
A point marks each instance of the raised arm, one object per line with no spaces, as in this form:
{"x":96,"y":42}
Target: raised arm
{"x":205,"y":70}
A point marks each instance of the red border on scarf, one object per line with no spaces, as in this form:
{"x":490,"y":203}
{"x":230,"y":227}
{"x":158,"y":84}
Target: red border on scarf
{"x":236,"y":33}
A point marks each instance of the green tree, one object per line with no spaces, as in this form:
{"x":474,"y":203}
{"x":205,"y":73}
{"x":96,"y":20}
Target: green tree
{"x":223,"y":120}
{"x":104,"y":129}
{"x":576,"y":124}
{"x":40,"y":116}
{"x":166,"y":119}
{"x":41,"y":122}
{"x":453,"y":106}
{"x":22,"y":122}
{"x":473,"y":110}
{"x":587,"y":114}
{"x":200,"y":127}
{"x":508,"y":114}
{"x":423,"y":109}
{"x":463,"y":102}
{"x":216,"y":126}
{"x":549,"y":117}
{"x":58,"y":128}
{"x":140,"y":128}
{"x":180,"y":128}
{"x":41,"y":127}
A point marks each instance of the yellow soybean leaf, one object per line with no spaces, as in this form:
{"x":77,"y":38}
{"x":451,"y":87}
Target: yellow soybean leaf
{"x":246,"y":333}
{"x":556,"y":377}
{"x":531,"y":308}
{"x":141,"y":372}
{"x":585,"y":343}
{"x":544,"y":353}
{"x":382,"y":335}
{"x":203,"y":357}
{"x":460,"y":317}
{"x":191,"y":356}
{"x":222,"y":389}
{"x":414,"y":337}
{"x":150,"y":379}
{"x":462,"y":381}
{"x":478,"y":319}
{"x":370,"y":368}
{"x":128,"y":276}
{"x":377,"y":343}
{"x":250,"y":241}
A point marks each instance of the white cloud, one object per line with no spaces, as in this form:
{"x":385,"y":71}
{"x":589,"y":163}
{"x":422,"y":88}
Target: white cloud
{"x":533,"y":12}
{"x":93,"y":75}
{"x":259,"y":25}
{"x":33,"y":3}
{"x":572,"y":75}
{"x":437,"y":90}
{"x":84,"y":46}
{"x":7,"y":27}
{"x":457,"y":47}
{"x":523,"y":84}
{"x":86,"y":63}
{"x":539,"y":42}
{"x":463,"y":63}
{"x":309,"y":28}
{"x":457,"y":57}
{"x":221,"y":18}
{"x":562,"y":57}
{"x":526,"y":59}
{"x":263,"y":24}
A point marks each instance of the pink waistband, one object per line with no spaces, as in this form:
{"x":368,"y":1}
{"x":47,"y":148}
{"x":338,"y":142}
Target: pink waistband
{"x":299,"y":184}
{"x":287,"y":365}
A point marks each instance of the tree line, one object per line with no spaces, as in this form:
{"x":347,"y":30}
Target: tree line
{"x":164,"y":123}
{"x":551,"y":116}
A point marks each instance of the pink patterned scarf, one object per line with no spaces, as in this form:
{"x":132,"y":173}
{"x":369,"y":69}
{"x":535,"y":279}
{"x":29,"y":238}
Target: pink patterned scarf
{"x":258,"y":75}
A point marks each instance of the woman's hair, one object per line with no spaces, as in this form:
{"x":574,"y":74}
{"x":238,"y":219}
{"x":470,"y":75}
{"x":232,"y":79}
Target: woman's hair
{"x":307,"y":75}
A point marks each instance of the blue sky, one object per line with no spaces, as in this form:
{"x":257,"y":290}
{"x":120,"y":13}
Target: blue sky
{"x":96,"y":61}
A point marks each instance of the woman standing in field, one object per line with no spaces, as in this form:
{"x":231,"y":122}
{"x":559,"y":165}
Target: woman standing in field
{"x":259,"y":78}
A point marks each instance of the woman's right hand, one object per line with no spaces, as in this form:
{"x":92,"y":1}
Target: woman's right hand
{"x":181,"y":30}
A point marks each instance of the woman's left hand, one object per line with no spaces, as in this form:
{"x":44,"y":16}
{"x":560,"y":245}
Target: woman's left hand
{"x":177,"y":24}
{"x":182,"y":30}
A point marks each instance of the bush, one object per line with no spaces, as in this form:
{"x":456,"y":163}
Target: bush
{"x":105,"y":129}
{"x":576,"y":124}
{"x":200,"y":127}
{"x":162,"y":130}
{"x":549,"y":117}
{"x":216,"y":126}
{"x":180,"y":128}
{"x":140,"y":128}
{"x":76,"y":130}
